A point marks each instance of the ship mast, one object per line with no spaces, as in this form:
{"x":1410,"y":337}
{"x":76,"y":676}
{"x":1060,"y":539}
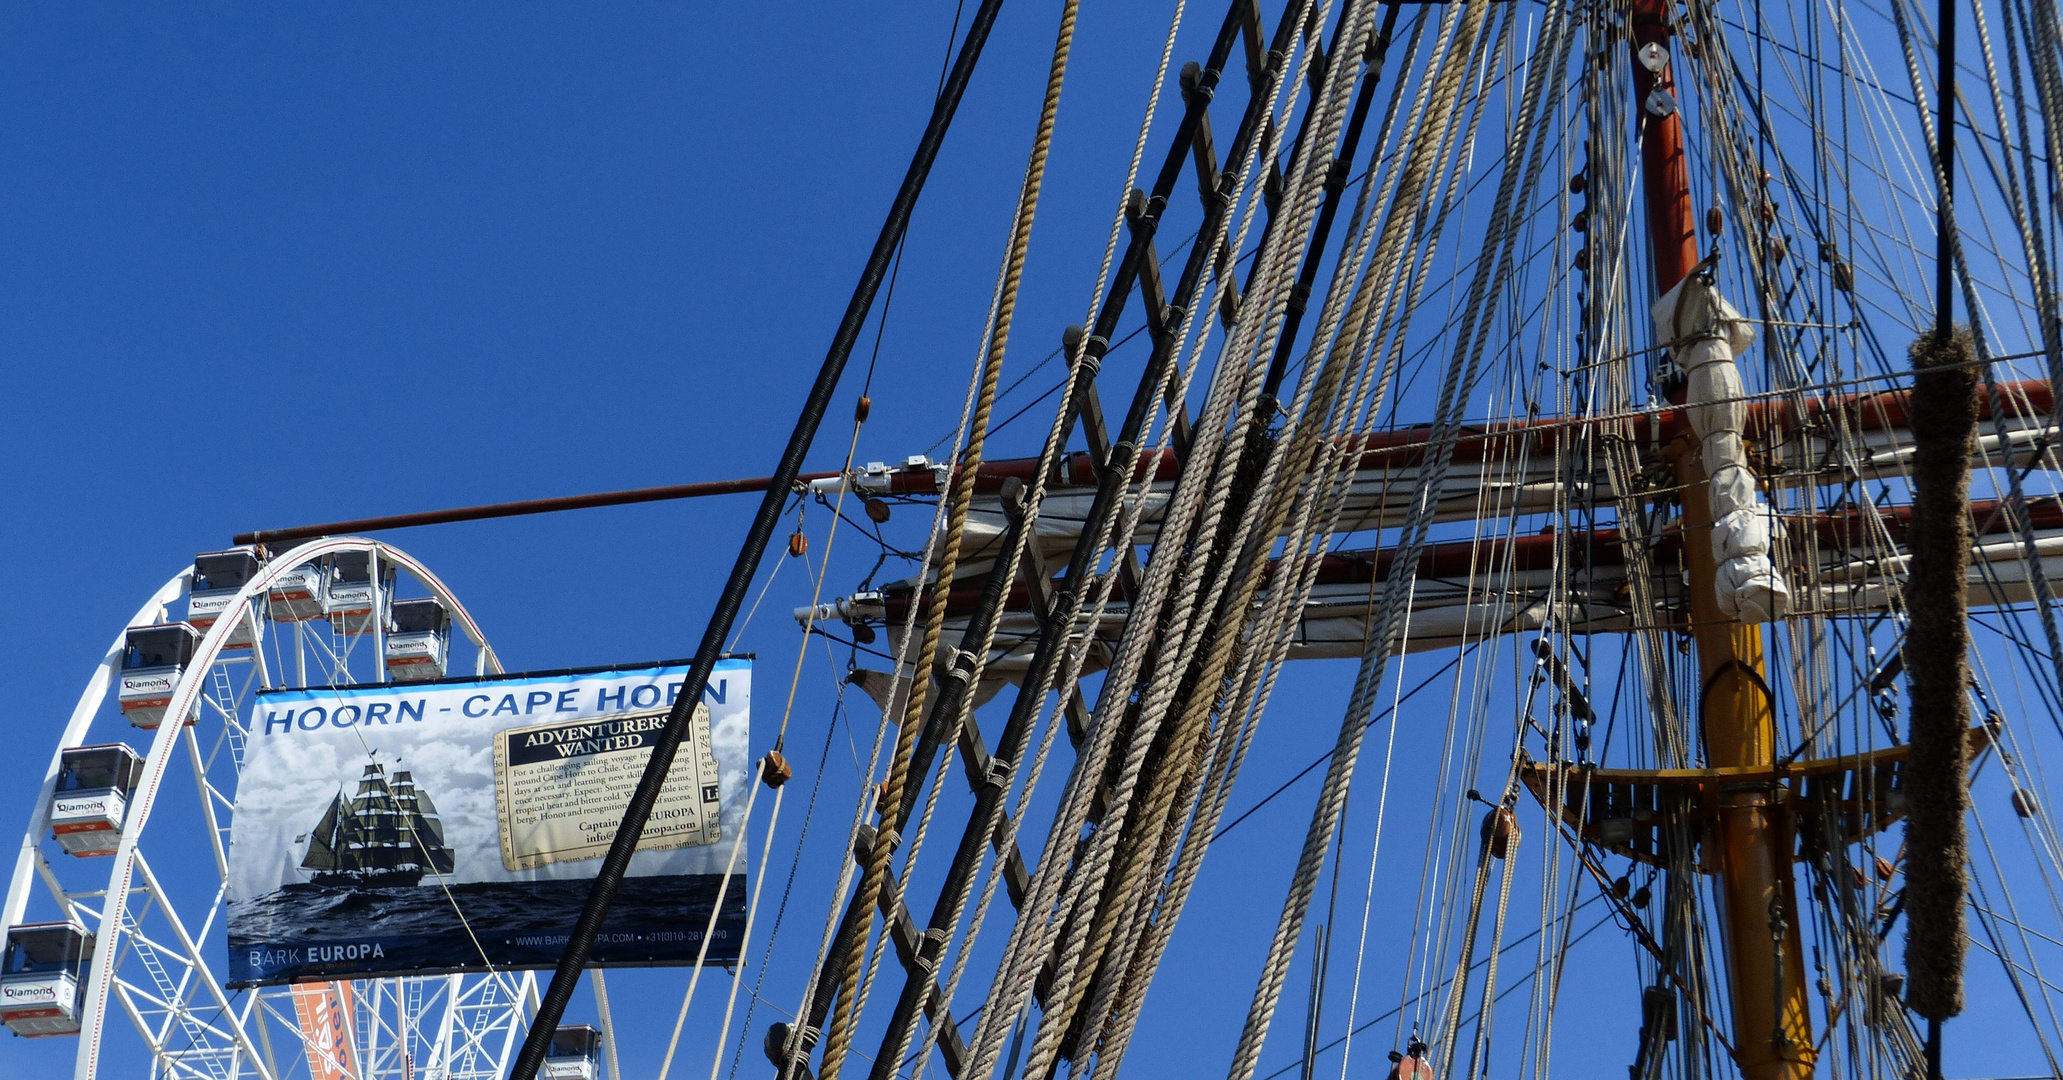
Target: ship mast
{"x":1765,"y":962}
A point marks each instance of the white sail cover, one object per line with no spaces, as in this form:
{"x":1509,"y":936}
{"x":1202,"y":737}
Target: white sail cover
{"x":1706,"y":334}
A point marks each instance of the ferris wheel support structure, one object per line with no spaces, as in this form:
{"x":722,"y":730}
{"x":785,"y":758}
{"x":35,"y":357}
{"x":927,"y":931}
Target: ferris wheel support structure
{"x":193,"y":1024}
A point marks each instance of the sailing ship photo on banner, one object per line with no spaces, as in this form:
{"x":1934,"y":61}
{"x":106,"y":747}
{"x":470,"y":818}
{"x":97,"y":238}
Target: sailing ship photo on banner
{"x":457,"y":825}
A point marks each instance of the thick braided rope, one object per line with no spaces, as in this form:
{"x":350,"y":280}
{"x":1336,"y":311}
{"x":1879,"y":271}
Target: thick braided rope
{"x":948,"y":750}
{"x":1457,"y":986}
{"x":1212,"y":779}
{"x":989,"y":1031}
{"x":2045,"y":47}
{"x":1437,"y":94}
{"x":1398,"y":588}
{"x":1085,"y":884}
{"x":1116,"y":534}
{"x":1014,"y":557}
{"x":1292,"y":458}
{"x":1011,"y":985}
{"x":1556,"y":29}
{"x":1314,"y":164}
{"x":2037,"y":261}
{"x":831,"y":540}
{"x":1008,"y":985}
{"x":1201,"y":739}
{"x":1396,"y":351}
{"x":1276,"y":625}
{"x":803,"y":1037}
{"x":989,"y":893}
{"x":794,"y":685}
{"x":840,"y":1037}
{"x":871,"y":796}
{"x":2046,"y":293}
{"x":1307,"y":183}
{"x":1232,"y":381}
{"x":1481,"y":1043}
{"x":2031,"y":563}
{"x":1031,"y":936}
{"x":1053,"y":447}
{"x":1403,"y":187}
{"x":1017,"y":813}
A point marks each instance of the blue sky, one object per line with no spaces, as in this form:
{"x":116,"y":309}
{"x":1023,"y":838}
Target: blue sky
{"x":269,"y":266}
{"x":273,"y":267}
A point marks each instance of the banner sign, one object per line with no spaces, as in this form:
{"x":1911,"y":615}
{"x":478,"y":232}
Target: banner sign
{"x":324,"y":1012}
{"x":457,"y":825}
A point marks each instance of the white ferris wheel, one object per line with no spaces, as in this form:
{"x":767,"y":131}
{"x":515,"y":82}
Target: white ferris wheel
{"x":116,"y":912}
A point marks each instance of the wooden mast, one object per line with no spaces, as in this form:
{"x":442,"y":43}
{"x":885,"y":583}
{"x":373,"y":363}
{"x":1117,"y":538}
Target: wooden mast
{"x":1765,"y":962}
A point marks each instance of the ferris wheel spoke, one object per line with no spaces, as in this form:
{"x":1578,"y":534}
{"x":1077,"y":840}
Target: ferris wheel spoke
{"x":208,"y":798}
{"x":189,"y":952}
{"x":480,"y":1026}
{"x":174,"y":1061}
{"x":311,"y":642}
{"x":174,"y":999}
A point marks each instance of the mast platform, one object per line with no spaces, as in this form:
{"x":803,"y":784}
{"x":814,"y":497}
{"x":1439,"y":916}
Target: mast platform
{"x":1631,"y":811}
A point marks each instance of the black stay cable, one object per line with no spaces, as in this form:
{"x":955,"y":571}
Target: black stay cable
{"x":1945,"y":151}
{"x":581,"y":941}
{"x":1938,"y":1004}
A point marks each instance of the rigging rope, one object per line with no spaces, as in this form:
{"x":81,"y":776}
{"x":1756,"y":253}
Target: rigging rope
{"x":795,"y":1051}
{"x":1031,"y":938}
{"x":886,"y":840}
{"x":1202,"y":684}
{"x":709,"y":931}
{"x":1189,"y":731}
{"x":801,"y":841}
{"x":1209,"y":467}
{"x":1080,"y":367}
{"x":1397,"y":590}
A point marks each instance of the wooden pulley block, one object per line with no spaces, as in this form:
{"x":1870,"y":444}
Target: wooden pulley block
{"x":774,"y":770}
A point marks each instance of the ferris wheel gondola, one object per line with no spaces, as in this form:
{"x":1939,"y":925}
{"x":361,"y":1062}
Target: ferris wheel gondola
{"x":138,"y":944}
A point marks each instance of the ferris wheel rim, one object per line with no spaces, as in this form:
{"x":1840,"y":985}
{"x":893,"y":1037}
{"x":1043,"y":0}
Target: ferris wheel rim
{"x":82,"y":716}
{"x":30,"y":862}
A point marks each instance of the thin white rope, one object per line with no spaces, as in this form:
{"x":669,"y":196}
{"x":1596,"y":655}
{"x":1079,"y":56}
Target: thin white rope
{"x":766,"y":851}
{"x":709,"y":929}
